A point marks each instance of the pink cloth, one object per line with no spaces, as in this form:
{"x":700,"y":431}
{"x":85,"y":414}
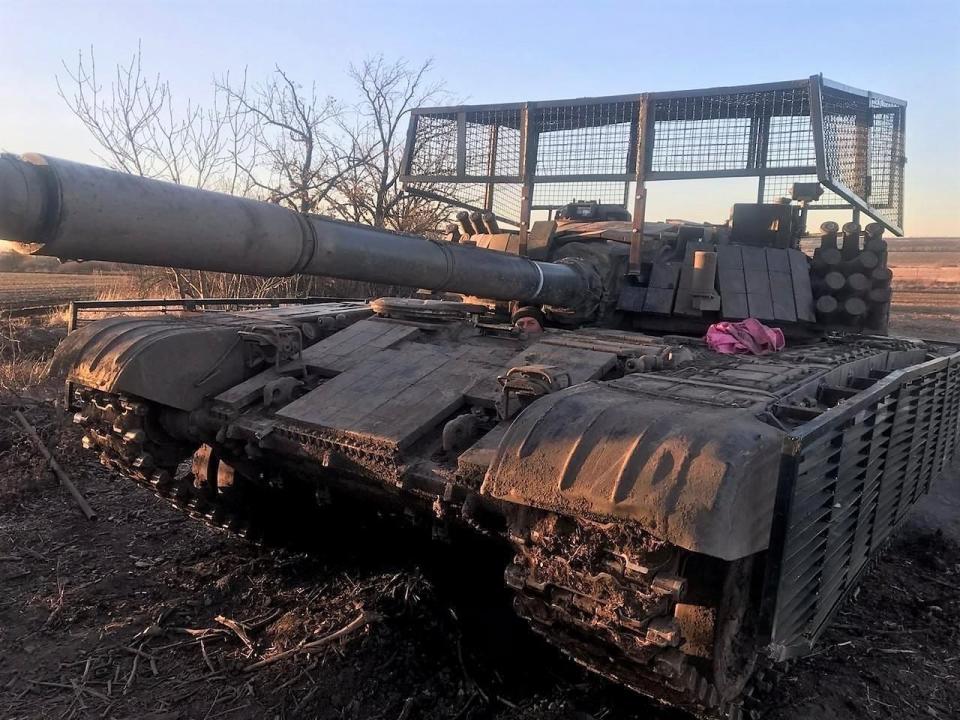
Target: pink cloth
{"x":747,"y":336}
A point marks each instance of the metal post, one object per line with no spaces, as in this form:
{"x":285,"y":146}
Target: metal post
{"x":491,"y":166}
{"x":816,"y":124}
{"x":461,"y":144}
{"x":411,"y":143}
{"x":898,"y":160}
{"x":864,"y":123}
{"x":644,"y":144}
{"x":632,"y":149}
{"x":760,"y":129}
{"x":530,"y":140}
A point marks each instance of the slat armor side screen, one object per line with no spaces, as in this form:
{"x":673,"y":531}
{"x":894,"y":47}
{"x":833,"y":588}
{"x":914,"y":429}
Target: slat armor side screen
{"x":848,"y":479}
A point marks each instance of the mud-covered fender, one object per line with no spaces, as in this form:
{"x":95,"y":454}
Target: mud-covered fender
{"x":699,"y":474}
{"x":171,"y":360}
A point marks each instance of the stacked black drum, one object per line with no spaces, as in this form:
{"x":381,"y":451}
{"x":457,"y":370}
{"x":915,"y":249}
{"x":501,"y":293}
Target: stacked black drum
{"x":851,"y":283}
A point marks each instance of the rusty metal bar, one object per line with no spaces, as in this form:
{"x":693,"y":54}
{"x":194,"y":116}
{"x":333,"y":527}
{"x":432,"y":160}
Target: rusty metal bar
{"x":530,"y":143}
{"x":739,"y":172}
{"x":623,"y":177}
{"x":406,"y":164}
{"x":461,"y":144}
{"x":491,"y":166}
{"x":760,"y":143}
{"x":645,"y":123}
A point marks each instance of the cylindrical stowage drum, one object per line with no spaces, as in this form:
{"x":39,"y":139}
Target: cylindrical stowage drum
{"x":851,"y":240}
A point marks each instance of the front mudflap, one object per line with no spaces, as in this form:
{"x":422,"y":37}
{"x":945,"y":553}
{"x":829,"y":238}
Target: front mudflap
{"x":699,"y":472}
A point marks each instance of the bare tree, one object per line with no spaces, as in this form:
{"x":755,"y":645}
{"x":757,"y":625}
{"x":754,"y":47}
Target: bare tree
{"x":301,"y":151}
{"x":140,"y":129}
{"x":120,"y":121}
{"x":278,"y":141}
{"x":370,"y":192}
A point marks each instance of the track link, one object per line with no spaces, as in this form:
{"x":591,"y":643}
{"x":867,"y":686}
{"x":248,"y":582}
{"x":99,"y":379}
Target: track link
{"x":129,"y":439}
{"x":612,"y":599}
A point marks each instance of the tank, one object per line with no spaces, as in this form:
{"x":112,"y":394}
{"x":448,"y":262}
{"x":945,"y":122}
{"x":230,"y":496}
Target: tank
{"x":678,"y":518}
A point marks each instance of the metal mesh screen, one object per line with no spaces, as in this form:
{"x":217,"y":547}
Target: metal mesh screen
{"x":778,"y":186}
{"x":886,"y":158}
{"x":790,"y":141}
{"x":554,"y":195}
{"x":493,"y":142}
{"x":506,"y":201}
{"x":435,"y":145}
{"x":469,"y":195}
{"x":845,"y":135}
{"x":863,"y":143}
{"x":732,"y":131}
{"x":482,"y":156}
{"x":585,"y":139}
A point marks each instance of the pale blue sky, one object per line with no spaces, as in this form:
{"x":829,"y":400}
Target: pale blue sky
{"x":508,"y":51}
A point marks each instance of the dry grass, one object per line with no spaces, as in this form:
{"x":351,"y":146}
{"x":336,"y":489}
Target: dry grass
{"x":125,"y":287}
{"x":22,"y":374}
{"x":26,"y":346}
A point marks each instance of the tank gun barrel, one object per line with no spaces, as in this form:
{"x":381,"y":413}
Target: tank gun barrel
{"x":80,"y":212}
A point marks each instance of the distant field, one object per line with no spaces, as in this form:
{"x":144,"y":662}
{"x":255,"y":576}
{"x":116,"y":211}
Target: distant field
{"x":921,"y":258}
{"x":919,"y":277}
{"x":923,"y":245}
{"x":20,"y":290}
{"x":926,"y":314}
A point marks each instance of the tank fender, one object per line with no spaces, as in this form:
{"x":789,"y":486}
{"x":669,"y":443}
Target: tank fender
{"x":701,"y":475}
{"x":173,"y":361}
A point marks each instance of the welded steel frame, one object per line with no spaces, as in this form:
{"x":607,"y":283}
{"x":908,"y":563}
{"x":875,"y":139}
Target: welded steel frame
{"x":644,"y":142}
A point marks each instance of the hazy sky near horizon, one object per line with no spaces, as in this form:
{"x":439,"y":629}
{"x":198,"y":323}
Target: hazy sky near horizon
{"x":502,"y":51}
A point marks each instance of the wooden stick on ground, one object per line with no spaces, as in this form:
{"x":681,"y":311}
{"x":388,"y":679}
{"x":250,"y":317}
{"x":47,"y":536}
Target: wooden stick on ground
{"x":62,"y":476}
{"x":239,"y":630}
{"x":361,"y":621}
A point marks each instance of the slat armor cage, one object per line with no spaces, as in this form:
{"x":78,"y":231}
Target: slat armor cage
{"x":515,"y":158}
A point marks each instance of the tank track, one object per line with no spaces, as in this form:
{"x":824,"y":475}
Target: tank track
{"x":129,"y":441}
{"x":613,"y":611}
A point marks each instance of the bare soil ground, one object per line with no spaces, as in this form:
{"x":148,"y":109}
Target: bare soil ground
{"x":145,"y":614}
